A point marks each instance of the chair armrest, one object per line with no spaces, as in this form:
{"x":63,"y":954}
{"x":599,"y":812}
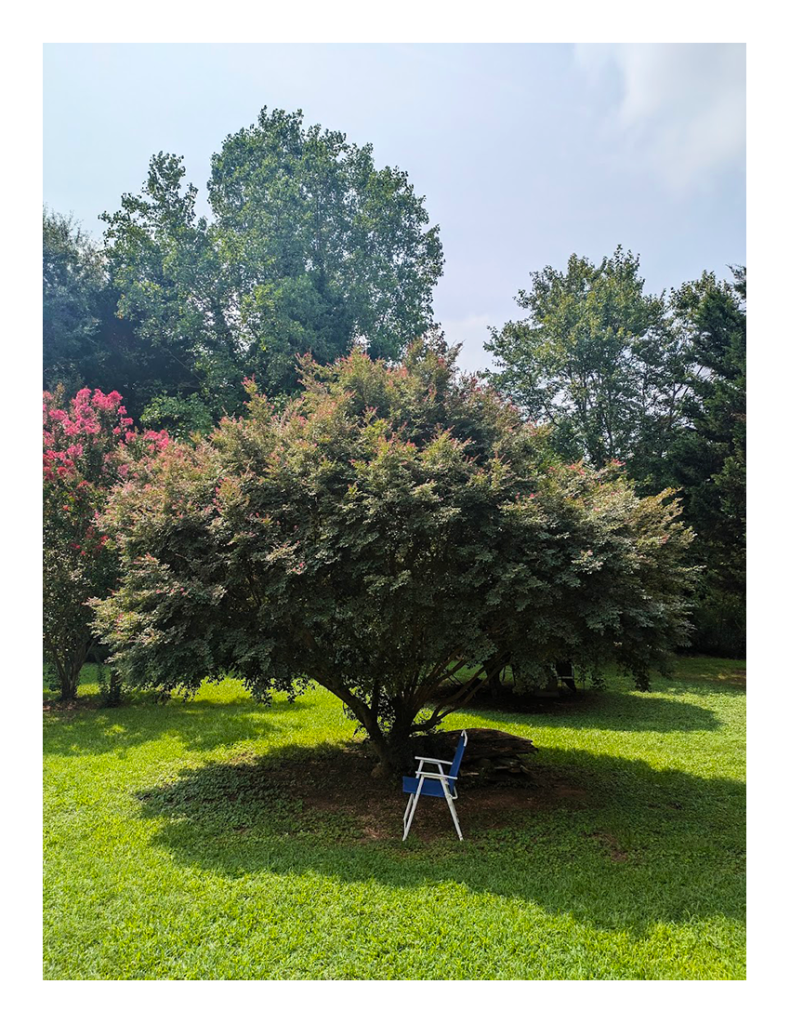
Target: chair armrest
{"x":433,"y":760}
{"x":436,"y":775}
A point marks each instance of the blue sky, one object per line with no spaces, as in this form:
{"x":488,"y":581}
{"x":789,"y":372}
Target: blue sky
{"x":525,"y":152}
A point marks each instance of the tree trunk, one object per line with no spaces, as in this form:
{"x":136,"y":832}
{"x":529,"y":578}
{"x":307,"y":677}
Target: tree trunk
{"x":112,"y":692}
{"x":494,"y":672}
{"x":393,"y":749}
{"x":68,"y":678}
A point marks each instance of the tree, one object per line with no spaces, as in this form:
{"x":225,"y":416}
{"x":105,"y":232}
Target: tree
{"x":596,"y":358}
{"x":390,"y":527}
{"x":88,"y":443}
{"x":708,"y":456}
{"x":72,"y":282}
{"x":309,"y":247}
{"x":86,"y":344}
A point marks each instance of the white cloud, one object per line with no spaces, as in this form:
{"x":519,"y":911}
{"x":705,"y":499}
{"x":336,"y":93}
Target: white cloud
{"x":680,"y":110}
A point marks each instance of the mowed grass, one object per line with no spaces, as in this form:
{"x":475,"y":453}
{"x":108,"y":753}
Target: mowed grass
{"x":171,"y":851}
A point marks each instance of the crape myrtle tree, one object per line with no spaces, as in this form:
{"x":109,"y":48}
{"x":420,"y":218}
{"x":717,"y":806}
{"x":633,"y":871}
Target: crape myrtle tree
{"x":391,"y":527}
{"x":89,"y":446}
{"x":309,"y":245}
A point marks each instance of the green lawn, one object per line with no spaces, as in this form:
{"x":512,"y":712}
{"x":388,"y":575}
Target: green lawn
{"x":177,"y":848}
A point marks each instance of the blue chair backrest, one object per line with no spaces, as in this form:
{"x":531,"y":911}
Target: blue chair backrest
{"x":459,"y":753}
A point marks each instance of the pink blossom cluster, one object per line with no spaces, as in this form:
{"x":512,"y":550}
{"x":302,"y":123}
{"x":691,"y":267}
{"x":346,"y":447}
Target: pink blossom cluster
{"x":85,"y":453}
{"x":93,"y":422}
{"x":91,"y":419}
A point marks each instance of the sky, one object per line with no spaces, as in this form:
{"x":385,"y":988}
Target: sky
{"x":525,"y":153}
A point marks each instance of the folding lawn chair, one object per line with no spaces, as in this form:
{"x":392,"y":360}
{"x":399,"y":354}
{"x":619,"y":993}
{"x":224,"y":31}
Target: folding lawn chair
{"x":434,"y":784}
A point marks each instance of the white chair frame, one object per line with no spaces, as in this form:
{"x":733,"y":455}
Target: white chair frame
{"x":445,"y":781}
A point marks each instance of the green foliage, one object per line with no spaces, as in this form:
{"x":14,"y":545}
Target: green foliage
{"x":88,"y":341}
{"x":310,"y":246}
{"x":180,"y":417}
{"x":110,"y":685}
{"x":658,"y":383}
{"x":391,"y":526}
{"x":173,"y":851}
{"x":72,"y":284}
{"x":596,"y":359}
{"x":709,"y":454}
{"x":719,"y":619}
{"x":327,"y":247}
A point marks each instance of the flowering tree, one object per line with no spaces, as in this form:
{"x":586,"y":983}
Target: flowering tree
{"x":392,"y":527}
{"x":89,"y":445}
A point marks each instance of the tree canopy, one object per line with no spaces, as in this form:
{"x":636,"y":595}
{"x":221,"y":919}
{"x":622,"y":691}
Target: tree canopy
{"x":390,"y":527}
{"x":86,"y":343}
{"x":596,"y":358}
{"x":72,"y":283}
{"x":309,"y":246}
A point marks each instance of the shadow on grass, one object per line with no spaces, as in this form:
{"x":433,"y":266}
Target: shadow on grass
{"x":605,"y":839}
{"x":630,"y":712}
{"x":200,"y":725}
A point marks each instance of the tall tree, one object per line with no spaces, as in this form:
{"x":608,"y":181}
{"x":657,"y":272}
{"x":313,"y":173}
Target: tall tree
{"x":708,"y":457}
{"x":72,"y":284}
{"x":310,"y":246}
{"x":88,"y":343}
{"x":596,"y":357}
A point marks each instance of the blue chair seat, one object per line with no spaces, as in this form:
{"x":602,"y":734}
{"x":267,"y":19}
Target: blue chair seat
{"x":430,"y":787}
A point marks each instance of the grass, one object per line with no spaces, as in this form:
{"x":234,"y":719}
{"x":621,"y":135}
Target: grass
{"x":177,"y":847}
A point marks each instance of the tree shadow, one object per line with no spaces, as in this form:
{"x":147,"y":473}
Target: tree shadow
{"x":608,"y":840}
{"x":199,"y":725}
{"x":611,"y":710}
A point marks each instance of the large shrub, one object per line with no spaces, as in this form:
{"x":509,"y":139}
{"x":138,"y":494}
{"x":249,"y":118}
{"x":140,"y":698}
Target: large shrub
{"x":89,"y":446}
{"x":389,"y":528}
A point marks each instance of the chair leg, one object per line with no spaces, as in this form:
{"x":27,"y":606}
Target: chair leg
{"x":451,"y":805}
{"x":413,"y":800}
{"x":408,"y":808}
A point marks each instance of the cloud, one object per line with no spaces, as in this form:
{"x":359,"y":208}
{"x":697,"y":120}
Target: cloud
{"x":677,"y":110}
